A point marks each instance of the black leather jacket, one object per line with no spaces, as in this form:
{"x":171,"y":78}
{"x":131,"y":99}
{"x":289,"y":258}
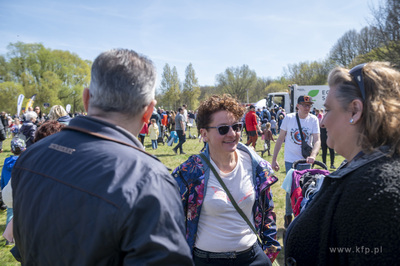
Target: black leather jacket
{"x":84,"y":200}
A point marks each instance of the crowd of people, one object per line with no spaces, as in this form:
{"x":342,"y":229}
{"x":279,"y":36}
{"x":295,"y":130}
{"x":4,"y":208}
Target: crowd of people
{"x":29,"y":121}
{"x":88,"y":193}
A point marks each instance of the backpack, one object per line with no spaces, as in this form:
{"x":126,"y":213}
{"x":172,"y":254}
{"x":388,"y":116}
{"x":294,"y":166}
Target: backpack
{"x":21,"y":136}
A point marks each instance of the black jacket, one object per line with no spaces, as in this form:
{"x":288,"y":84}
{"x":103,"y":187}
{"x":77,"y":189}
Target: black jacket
{"x":83,"y":200}
{"x":29,"y":130}
{"x":354,"y":219}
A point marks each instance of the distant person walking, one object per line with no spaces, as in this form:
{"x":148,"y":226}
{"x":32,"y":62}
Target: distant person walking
{"x":268,"y":137}
{"x":180,"y":125}
{"x":153,"y":133}
{"x":290,"y":134}
{"x":143,"y":133}
{"x":252,"y":126}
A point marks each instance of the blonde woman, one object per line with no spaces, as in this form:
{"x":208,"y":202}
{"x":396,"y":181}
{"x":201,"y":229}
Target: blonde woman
{"x":58,"y":113}
{"x":357,"y":207}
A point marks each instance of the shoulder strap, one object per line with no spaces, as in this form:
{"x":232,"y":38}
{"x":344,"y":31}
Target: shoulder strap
{"x":230,"y":195}
{"x":107,"y":138}
{"x":298,"y":123}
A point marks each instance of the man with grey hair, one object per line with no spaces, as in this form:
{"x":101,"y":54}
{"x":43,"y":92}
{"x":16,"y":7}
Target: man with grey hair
{"x":28,"y":128}
{"x":91,"y":195}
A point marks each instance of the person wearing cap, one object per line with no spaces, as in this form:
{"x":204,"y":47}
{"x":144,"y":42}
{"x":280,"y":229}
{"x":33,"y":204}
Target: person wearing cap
{"x":90,"y":194}
{"x":290,"y":134}
{"x":252,"y":126}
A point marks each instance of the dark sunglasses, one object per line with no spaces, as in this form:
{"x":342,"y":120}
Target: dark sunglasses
{"x":224,"y":129}
{"x":356,"y":73}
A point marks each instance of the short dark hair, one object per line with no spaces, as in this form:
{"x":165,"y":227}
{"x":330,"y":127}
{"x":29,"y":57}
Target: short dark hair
{"x":217,"y":103}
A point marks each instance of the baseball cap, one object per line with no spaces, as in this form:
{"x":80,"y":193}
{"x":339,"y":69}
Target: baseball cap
{"x":304,"y":99}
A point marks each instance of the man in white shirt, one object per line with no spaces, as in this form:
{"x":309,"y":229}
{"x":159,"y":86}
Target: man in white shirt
{"x":290,"y":134}
{"x":185,"y":113}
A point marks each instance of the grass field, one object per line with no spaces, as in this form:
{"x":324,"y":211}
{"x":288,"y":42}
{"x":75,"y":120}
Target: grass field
{"x":167,"y":156}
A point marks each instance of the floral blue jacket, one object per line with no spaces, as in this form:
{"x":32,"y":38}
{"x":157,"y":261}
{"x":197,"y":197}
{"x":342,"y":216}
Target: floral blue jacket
{"x":192,"y":177}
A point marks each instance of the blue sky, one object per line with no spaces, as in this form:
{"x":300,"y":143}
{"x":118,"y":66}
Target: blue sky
{"x":212,"y":35}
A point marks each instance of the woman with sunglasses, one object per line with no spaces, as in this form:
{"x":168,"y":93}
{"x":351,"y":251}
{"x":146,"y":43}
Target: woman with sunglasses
{"x":354,"y":218}
{"x":216,"y":230}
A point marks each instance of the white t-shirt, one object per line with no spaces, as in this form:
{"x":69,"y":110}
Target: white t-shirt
{"x":309,"y":126}
{"x":221,"y":228}
{"x":185,"y":115}
{"x":7,"y":195}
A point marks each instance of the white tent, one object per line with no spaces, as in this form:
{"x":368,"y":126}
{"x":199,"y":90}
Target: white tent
{"x":260,"y":104}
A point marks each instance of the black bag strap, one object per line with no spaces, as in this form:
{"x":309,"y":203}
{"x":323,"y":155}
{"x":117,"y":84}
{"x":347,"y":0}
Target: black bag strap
{"x":230,"y":195}
{"x":298,"y":123}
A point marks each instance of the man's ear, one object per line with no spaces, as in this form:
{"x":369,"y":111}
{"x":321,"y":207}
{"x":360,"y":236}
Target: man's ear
{"x":148,"y":111}
{"x":86,"y":97}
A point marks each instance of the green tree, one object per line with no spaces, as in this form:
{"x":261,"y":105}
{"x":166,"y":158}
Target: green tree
{"x":279,"y":85}
{"x":237,"y":81}
{"x":309,"y":73}
{"x":259,"y":90}
{"x":207,"y":91}
{"x":9,"y":92}
{"x":368,"y":40}
{"x":191,"y":88}
{"x":170,"y":88}
{"x":56,"y":77}
{"x":387,"y":22}
{"x":4,"y":76}
{"x":346,"y":49}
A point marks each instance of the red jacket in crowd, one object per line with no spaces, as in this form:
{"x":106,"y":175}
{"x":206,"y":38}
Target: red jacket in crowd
{"x":251,"y":121}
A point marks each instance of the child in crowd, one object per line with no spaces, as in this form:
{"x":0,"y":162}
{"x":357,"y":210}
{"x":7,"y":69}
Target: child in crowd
{"x":267,"y":133}
{"x":143,"y":133}
{"x":10,"y":125}
{"x":17,"y":147}
{"x":153,"y":133}
{"x":16,"y":126}
{"x":273,"y":125}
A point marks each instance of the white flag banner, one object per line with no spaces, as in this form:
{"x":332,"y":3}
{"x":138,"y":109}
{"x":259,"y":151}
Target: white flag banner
{"x":19,"y":105}
{"x":68,"y":108}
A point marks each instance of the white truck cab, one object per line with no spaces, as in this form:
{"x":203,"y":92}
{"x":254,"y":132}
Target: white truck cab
{"x":288,"y":100}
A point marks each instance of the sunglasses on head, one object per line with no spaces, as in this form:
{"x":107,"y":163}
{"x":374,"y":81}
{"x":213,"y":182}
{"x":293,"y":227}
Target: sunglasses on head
{"x":224,"y":129}
{"x":356,"y":73}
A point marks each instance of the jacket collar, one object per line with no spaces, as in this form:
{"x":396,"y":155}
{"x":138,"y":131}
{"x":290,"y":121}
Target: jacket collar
{"x":347,"y":167}
{"x":105,"y":128}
